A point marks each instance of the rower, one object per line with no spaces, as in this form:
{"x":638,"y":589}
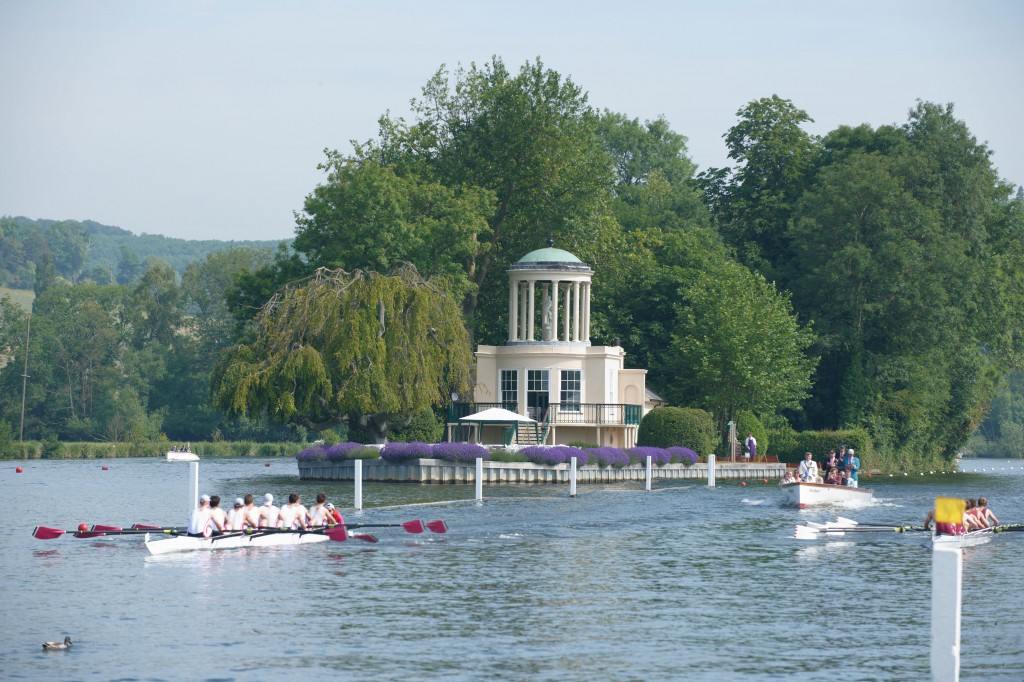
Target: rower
{"x":971,"y":519}
{"x":218,"y":517}
{"x":199,"y":519}
{"x":250,"y":514}
{"x":235,"y":515}
{"x":293,"y":515}
{"x":948,"y":514}
{"x":334,"y":516}
{"x":318,"y":512}
{"x":269,"y":513}
{"x":986,"y":513}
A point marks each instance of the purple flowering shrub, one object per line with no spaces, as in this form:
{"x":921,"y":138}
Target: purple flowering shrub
{"x":460,"y":452}
{"x":657,"y":455}
{"x":314,"y":453}
{"x":559,"y":454}
{"x":683,"y":455}
{"x":613,"y":457}
{"x":400,"y":452}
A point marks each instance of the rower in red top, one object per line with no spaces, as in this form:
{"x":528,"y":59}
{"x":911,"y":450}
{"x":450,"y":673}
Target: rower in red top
{"x":986,"y":513}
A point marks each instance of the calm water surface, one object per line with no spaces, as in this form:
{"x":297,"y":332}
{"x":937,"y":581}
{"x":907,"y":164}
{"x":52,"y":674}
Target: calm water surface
{"x":683,"y":583}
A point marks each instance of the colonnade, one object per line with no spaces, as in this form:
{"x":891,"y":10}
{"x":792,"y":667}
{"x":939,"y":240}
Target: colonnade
{"x":564,"y":309}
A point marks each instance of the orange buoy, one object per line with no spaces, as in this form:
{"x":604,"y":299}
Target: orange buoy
{"x":266,"y":464}
{"x":105,"y":467}
{"x":83,"y":527}
{"x":764,"y":480}
{"x":18,"y":470}
{"x":743,"y":484}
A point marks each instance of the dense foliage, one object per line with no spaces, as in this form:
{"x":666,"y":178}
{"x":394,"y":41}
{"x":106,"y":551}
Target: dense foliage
{"x":866,"y":281}
{"x":665,"y":427}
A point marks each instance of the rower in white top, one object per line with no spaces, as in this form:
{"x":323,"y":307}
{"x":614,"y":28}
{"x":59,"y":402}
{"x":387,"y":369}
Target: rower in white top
{"x":199,"y":519}
{"x":236,"y":515}
{"x":269,"y":513}
{"x":318,"y":512}
{"x":294,"y":515}
{"x":808,"y":471}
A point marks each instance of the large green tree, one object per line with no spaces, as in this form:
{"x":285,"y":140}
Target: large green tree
{"x":360,"y":346}
{"x":498,"y":159}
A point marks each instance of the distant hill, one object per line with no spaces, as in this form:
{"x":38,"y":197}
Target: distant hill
{"x":22,"y":240}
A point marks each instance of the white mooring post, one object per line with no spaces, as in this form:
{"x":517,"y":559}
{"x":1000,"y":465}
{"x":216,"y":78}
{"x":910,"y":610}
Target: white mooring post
{"x":479,"y":479}
{"x":193,"y":486}
{"x":572,"y":477}
{"x":947,"y":574}
{"x":711,"y":470}
{"x":647,"y":480}
{"x":357,"y":475}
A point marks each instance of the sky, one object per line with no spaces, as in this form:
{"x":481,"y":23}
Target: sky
{"x":203,"y":119}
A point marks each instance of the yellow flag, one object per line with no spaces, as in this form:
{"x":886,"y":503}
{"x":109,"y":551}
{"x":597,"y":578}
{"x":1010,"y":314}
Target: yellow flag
{"x":949,"y":510}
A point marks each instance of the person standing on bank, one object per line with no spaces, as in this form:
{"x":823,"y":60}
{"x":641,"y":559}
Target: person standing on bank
{"x":752,"y":446}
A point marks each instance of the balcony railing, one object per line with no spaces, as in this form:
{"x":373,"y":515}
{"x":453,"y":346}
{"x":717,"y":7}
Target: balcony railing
{"x":588,"y":414}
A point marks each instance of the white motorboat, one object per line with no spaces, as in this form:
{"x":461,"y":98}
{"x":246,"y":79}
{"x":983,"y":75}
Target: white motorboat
{"x":800,"y":494}
{"x":184,"y":543}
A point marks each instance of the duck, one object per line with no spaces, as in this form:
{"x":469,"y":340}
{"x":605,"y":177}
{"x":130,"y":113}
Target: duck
{"x":53,"y":646}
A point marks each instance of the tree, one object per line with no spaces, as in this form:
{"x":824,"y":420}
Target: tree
{"x":129,"y":266}
{"x":360,"y":346}
{"x":68,"y":242}
{"x":753,"y":203}
{"x":738,"y":346}
{"x":156,"y":305}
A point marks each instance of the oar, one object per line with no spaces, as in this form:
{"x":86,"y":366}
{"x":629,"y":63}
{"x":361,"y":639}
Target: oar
{"x":45,"y":533}
{"x":1008,"y":528}
{"x":143,"y":526}
{"x":415,"y":526}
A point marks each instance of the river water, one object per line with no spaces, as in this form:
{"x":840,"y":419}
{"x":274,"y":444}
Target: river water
{"x":681,"y":583}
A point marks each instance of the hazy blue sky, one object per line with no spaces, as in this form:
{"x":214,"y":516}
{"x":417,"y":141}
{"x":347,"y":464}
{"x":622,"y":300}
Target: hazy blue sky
{"x":206,"y":119}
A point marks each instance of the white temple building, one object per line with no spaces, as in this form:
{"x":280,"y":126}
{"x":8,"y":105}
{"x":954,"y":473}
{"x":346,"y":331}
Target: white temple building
{"x":563,"y":388}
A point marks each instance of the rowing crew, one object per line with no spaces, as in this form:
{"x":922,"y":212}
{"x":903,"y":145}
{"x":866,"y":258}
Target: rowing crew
{"x":977,"y":516}
{"x":210,"y":519}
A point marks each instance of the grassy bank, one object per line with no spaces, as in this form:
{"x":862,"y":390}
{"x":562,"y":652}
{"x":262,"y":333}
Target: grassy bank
{"x":50,"y":450}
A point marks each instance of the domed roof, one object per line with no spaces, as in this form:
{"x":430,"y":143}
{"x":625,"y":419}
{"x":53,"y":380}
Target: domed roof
{"x":549,"y":255}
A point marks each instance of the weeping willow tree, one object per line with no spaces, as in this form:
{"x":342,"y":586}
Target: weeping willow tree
{"x":360,"y":346}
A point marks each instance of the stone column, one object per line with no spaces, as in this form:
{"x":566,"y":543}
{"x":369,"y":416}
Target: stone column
{"x":554,"y":311}
{"x":531,"y":316}
{"x":522,"y":311}
{"x":568,"y":314}
{"x":586,"y":312}
{"x":575,"y":311}
{"x":513,"y":311}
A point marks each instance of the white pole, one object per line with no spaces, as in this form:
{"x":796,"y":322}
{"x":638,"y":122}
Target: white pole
{"x":479,"y":478}
{"x":193,"y":486}
{"x":572,"y":477}
{"x":647,"y":484}
{"x":947,"y":573}
{"x":357,"y":474}
{"x":711,"y":470}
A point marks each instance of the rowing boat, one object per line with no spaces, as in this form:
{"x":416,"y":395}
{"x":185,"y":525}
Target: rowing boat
{"x":801,"y":494}
{"x":184,"y":543}
{"x":971,"y":538}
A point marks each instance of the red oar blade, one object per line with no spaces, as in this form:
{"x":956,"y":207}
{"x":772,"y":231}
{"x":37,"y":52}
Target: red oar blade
{"x":413,"y":526}
{"x":365,"y":537}
{"x":97,"y":528}
{"x":338,"y":533}
{"x":437,"y":526}
{"x":145,"y":526}
{"x":44,"y":533}
{"x":88,"y":534}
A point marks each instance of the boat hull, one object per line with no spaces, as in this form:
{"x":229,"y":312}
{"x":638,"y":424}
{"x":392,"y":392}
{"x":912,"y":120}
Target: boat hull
{"x":964,"y":540}
{"x":184,"y":543}
{"x":802,"y":494}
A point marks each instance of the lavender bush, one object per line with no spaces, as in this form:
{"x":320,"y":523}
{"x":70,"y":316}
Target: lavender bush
{"x":558,"y":454}
{"x":657,"y":455}
{"x":400,"y":452}
{"x":460,"y":452}
{"x":613,"y":457}
{"x":314,"y":453}
{"x":683,"y":455}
